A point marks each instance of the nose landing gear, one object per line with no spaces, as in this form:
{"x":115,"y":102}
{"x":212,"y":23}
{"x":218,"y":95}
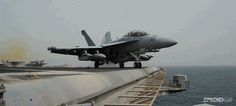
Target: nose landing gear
{"x":137,"y":65}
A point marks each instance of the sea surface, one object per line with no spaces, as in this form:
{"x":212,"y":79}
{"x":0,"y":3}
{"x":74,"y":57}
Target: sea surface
{"x":205,"y":82}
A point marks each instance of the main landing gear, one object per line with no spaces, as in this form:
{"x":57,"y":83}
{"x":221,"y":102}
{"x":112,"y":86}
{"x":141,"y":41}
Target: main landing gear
{"x":96,"y":64}
{"x":121,"y":64}
{"x":137,"y":65}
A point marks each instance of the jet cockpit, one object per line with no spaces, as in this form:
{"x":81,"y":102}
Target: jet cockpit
{"x":136,"y":33}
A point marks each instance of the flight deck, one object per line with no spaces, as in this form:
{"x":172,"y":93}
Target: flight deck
{"x":86,"y":86}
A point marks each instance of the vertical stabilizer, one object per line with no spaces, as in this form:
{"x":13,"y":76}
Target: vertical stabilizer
{"x":107,"y":38}
{"x":87,"y":38}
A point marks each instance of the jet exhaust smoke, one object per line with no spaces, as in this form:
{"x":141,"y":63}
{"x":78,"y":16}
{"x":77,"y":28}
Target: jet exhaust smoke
{"x":14,"y":49}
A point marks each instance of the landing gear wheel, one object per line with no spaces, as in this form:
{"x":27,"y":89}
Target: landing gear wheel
{"x":96,"y":64}
{"x":121,"y":64}
{"x":137,"y":65}
{"x":140,"y":65}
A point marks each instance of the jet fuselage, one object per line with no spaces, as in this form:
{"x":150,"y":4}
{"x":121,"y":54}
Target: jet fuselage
{"x":142,"y":45}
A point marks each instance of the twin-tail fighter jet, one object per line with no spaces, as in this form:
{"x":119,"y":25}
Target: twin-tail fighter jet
{"x":133,"y":46}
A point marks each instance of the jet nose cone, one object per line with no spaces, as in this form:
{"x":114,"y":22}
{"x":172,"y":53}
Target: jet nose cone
{"x":174,"y":43}
{"x":170,"y":42}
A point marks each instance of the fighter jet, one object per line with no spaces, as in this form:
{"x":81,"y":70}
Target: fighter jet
{"x":132,"y":46}
{"x":13,"y":63}
{"x":36,"y":63}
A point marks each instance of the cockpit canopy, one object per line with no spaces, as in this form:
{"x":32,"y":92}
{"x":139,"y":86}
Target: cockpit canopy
{"x":136,"y":33}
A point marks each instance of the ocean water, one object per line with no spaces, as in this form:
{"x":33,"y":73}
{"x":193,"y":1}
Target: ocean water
{"x":219,"y":82}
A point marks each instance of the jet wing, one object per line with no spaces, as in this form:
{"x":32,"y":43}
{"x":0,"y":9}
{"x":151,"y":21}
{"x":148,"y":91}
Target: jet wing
{"x":90,"y":49}
{"x":74,"y":51}
{"x":118,"y":43}
{"x":66,"y":51}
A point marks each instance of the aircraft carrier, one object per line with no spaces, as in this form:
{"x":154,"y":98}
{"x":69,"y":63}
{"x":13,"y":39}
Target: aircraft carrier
{"x":32,"y":84}
{"x":86,"y":86}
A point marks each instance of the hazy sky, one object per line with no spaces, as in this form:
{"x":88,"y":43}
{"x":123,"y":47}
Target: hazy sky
{"x":204,"y":29}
